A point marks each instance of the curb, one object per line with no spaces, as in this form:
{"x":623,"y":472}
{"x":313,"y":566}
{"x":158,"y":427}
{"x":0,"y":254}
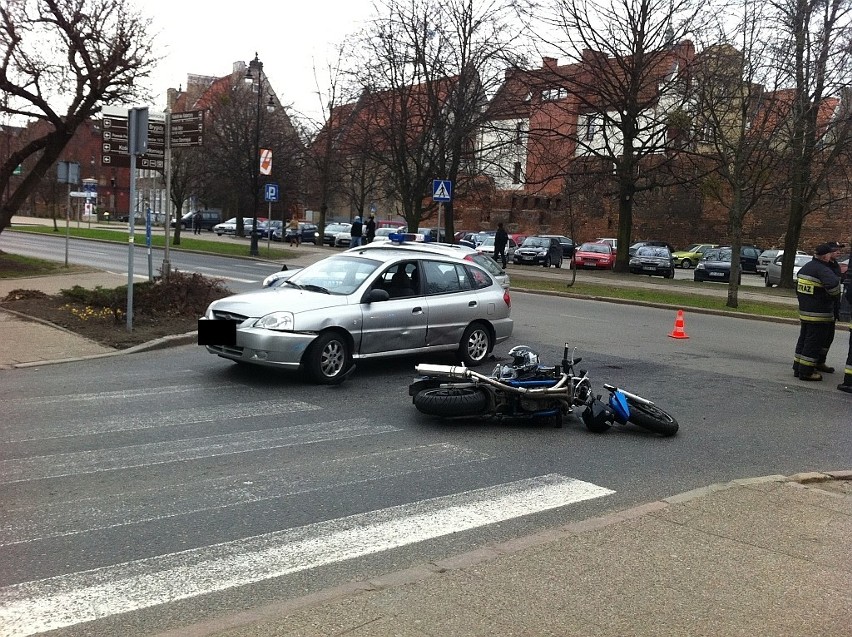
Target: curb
{"x":424,"y":571}
{"x":187,"y":338}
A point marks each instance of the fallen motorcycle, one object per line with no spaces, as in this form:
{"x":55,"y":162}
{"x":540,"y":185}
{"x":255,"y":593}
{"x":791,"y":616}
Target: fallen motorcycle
{"x":527,"y":389}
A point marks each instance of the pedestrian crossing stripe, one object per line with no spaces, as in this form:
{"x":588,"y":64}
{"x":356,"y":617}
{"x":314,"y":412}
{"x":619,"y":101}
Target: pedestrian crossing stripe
{"x":66,"y":600}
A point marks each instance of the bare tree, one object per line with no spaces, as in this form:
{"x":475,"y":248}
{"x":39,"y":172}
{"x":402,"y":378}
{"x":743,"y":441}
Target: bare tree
{"x":628,"y":76}
{"x":425,"y":77}
{"x":814,"y":51}
{"x":227,"y":174}
{"x":738,"y":120}
{"x":62,"y":60}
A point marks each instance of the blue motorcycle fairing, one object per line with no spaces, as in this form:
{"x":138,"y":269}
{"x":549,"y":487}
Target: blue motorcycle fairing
{"x":618,"y":403}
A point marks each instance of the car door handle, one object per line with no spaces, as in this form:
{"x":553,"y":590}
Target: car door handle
{"x":472,"y":304}
{"x":417,"y":310}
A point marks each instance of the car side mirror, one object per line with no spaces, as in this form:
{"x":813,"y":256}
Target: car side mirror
{"x":376,"y":296}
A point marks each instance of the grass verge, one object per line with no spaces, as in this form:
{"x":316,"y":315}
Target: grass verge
{"x":659,"y":296}
{"x":121,"y":235}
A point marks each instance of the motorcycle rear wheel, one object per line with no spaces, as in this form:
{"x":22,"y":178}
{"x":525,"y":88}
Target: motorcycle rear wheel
{"x":451,"y":401}
{"x":652,"y":418}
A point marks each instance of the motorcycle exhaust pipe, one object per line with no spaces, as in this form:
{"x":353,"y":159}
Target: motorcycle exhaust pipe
{"x":452,"y":371}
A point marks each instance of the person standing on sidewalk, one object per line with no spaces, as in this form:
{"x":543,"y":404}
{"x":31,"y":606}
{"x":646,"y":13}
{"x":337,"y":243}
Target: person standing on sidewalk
{"x":817,"y":287}
{"x":501,"y":239}
{"x":196,"y":222}
{"x":356,"y":232}
{"x":293,"y":232}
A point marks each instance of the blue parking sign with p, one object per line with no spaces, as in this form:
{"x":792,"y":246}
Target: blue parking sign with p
{"x":442,"y":190}
{"x":270,"y":192}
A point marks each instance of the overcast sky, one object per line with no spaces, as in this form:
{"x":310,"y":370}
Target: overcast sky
{"x":206,"y":38}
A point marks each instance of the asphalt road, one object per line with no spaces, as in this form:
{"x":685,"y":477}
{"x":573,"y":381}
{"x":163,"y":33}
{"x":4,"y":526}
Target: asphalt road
{"x":145,"y":492}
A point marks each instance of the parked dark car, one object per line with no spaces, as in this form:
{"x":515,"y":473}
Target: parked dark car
{"x":539,"y":250}
{"x":653,"y":260}
{"x":662,"y":244}
{"x":209,"y":218}
{"x":749,"y":256}
{"x":567,"y":244}
{"x":307,"y":230}
{"x":715,"y":265}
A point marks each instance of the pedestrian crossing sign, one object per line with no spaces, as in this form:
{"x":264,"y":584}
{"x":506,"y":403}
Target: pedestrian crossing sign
{"x":442,"y":190}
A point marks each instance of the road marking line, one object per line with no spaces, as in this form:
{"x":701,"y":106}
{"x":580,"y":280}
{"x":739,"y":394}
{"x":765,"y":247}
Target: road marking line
{"x":66,"y":600}
{"x":145,"y":455}
{"x":146,"y":420}
{"x":38,"y":521}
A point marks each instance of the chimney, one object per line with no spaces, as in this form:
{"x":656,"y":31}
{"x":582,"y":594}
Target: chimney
{"x":548,"y":63}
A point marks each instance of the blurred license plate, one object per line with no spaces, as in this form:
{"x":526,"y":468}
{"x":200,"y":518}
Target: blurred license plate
{"x":717,"y":274}
{"x":527,"y":258}
{"x":217,"y":333}
{"x":649,"y":267}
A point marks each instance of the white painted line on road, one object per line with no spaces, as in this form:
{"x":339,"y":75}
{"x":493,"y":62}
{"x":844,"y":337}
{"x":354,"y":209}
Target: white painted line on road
{"x":84,"y":462}
{"x":40,"y":521}
{"x":63,"y":428}
{"x":35,"y":607}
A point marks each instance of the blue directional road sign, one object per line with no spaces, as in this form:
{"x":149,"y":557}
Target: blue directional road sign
{"x":442,"y":190}
{"x":270,"y":192}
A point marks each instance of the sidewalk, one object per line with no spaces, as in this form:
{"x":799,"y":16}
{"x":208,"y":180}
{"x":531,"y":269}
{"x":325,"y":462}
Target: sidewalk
{"x":760,"y":557}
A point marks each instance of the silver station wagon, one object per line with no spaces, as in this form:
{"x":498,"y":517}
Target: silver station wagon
{"x":362,"y":304}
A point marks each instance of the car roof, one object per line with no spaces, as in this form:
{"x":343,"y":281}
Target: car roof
{"x":424,"y":247}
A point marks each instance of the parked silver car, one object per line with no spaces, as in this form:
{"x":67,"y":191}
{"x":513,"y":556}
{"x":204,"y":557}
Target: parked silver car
{"x":773,"y":270}
{"x":363,"y":303}
{"x":455,"y":251}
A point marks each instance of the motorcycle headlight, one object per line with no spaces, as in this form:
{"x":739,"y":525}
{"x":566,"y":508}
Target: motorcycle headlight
{"x":279,"y":321}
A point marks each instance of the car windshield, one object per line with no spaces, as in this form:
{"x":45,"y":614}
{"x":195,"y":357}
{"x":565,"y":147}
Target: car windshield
{"x":337,"y":275}
{"x":337,"y":227}
{"x":717,"y":255}
{"x":535,"y":242}
{"x":602,"y":248}
{"x":652,"y":251}
{"x":801,"y":259}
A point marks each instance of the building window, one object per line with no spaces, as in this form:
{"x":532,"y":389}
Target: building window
{"x":553,"y":94}
{"x":593,"y":123}
{"x":519,"y":133}
{"x":516,"y":173}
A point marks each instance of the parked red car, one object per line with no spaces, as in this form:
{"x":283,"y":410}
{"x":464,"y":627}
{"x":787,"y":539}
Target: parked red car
{"x":596,"y":255}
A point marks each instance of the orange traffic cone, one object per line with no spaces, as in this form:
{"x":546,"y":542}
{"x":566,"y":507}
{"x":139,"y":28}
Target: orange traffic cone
{"x":678,"y":331}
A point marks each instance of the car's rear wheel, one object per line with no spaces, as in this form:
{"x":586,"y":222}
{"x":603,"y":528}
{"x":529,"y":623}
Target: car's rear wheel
{"x":475,"y":345}
{"x":328,"y":358}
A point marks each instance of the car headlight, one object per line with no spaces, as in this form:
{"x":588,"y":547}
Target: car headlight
{"x":635,"y":262}
{"x":279,"y":321}
{"x":700,"y":266}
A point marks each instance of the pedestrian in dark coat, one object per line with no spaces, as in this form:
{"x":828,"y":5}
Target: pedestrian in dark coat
{"x":817,"y":287}
{"x":501,"y":239}
{"x":356,"y":232}
{"x":370,"y":228}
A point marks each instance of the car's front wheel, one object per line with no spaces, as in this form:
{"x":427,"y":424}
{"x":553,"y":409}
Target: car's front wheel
{"x":686,"y":264}
{"x":328,"y":358}
{"x":475,"y":345}
{"x":546,"y":262}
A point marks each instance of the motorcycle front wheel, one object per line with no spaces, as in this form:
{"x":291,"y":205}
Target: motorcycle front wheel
{"x":652,"y":418}
{"x":451,"y":401}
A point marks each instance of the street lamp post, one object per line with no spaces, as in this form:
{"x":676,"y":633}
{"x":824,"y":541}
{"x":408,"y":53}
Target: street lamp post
{"x":254,"y":75}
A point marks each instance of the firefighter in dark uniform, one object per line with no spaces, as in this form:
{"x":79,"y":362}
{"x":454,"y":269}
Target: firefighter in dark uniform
{"x":817,"y":288}
{"x":846,"y":385}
